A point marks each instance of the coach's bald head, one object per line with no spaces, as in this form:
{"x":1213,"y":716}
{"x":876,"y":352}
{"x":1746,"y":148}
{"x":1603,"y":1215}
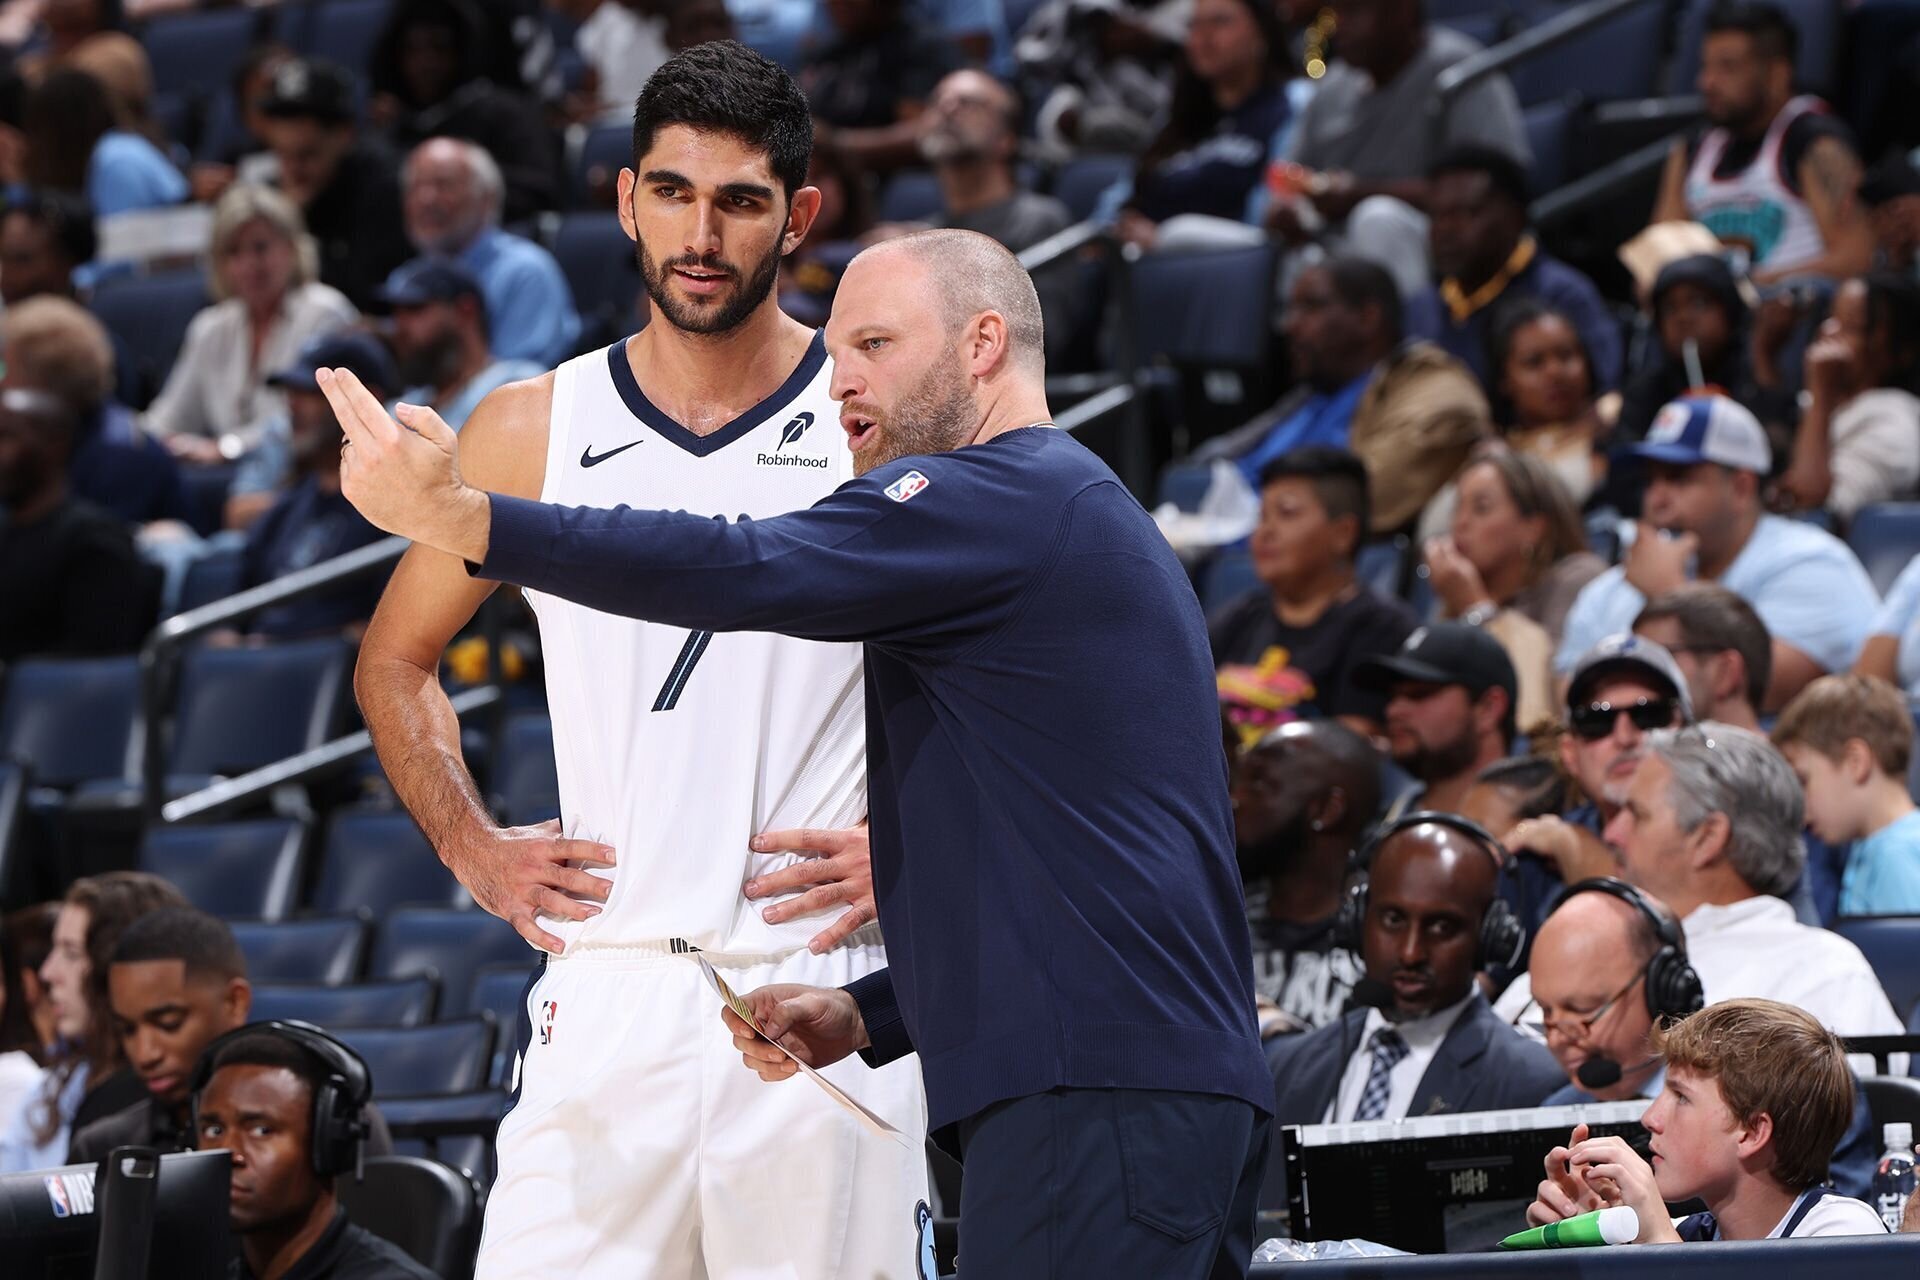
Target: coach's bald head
{"x":937,"y":343}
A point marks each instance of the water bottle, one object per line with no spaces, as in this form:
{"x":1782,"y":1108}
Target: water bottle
{"x":1893,"y":1180}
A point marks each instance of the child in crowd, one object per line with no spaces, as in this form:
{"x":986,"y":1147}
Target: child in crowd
{"x":1757,"y":1093}
{"x":1849,"y":739}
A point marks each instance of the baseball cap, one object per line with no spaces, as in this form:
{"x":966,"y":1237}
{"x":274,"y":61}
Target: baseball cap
{"x":1629,"y":654}
{"x":309,"y":87}
{"x":1444,"y":653}
{"x":1893,"y":178}
{"x":425,"y":280}
{"x":352,"y":349}
{"x":1707,"y":428}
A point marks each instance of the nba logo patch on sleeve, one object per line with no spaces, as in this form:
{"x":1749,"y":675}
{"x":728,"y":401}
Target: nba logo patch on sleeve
{"x":906,"y":486}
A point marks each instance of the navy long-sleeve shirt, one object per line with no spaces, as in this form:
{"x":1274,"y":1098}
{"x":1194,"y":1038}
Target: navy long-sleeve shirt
{"x":1052,"y":844}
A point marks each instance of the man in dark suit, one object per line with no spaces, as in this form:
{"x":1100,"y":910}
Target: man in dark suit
{"x":1432,"y":1046}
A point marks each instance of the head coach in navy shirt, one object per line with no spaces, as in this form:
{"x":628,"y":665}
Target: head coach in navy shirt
{"x":1052,"y":842}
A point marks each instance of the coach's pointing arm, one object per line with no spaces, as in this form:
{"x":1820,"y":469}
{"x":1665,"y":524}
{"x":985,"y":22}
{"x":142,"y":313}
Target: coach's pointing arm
{"x":869,"y":562}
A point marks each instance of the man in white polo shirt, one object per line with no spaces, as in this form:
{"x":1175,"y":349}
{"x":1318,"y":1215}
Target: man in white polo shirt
{"x":1711,"y":827}
{"x":1703,"y":520}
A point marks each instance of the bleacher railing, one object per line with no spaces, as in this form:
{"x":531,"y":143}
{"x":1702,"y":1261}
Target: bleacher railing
{"x":1532,"y":42}
{"x":158,"y":661}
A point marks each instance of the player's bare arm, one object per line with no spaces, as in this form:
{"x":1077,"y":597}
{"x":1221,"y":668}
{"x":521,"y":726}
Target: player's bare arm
{"x":515,"y":873}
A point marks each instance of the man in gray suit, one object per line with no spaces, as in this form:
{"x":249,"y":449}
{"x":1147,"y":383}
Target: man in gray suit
{"x":1426,"y":923}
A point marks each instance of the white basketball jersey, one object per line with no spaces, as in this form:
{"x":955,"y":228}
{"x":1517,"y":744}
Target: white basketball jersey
{"x":676,"y":747}
{"x":1755,"y":207}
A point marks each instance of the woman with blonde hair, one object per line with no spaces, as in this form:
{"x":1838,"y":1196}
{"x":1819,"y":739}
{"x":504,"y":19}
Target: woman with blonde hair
{"x":263,"y":271}
{"x":1513,"y":559}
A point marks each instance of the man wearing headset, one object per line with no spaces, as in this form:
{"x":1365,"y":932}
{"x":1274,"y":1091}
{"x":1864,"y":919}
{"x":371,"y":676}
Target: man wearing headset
{"x":1424,"y":920}
{"x":286,"y":1101}
{"x":1610,"y":962}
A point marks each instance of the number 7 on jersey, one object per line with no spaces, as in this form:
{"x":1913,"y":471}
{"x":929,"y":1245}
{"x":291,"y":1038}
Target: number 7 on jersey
{"x":682,"y":668}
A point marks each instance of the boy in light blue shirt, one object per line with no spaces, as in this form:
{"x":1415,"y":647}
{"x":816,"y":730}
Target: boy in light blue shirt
{"x":1849,"y":739}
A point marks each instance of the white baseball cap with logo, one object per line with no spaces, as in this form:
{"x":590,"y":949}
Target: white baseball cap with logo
{"x":1707,"y":428}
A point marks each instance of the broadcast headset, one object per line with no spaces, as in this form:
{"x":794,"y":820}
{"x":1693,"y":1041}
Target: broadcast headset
{"x":339,"y":1101}
{"x":1502,"y":936}
{"x":1673,"y":988}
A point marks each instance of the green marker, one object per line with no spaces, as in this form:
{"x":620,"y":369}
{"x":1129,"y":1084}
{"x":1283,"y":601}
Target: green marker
{"x":1618,"y":1225}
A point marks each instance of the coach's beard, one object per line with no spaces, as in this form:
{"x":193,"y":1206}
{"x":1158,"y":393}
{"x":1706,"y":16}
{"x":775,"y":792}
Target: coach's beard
{"x":731,"y":314}
{"x":934,"y":417}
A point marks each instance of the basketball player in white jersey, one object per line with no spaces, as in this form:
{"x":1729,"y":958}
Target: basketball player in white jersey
{"x":636,"y":1147}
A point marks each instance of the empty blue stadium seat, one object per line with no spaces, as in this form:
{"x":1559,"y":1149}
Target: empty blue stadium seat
{"x":1620,"y":58}
{"x":242,"y":708}
{"x":149,"y":315}
{"x":219,"y":573}
{"x":325,"y":949}
{"x":404,"y":1002}
{"x":1228,"y":575}
{"x":1892,"y":946}
{"x":1484,"y":28}
{"x":605,"y":150}
{"x":1185,"y":483}
{"x":451,"y":945}
{"x":70,"y":720}
{"x":240,"y":870}
{"x":911,"y":195}
{"x":501,"y":990}
{"x":1886,"y":536}
{"x":197,"y":52}
{"x":342,"y":31}
{"x":526,"y":785}
{"x":1083,"y":180}
{"x":1548,"y":125}
{"x":597,"y":258}
{"x":379,"y":860}
{"x":1206,"y":309}
{"x":440,"y":1057}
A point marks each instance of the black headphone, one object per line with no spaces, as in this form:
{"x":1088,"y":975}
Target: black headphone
{"x":339,"y":1101}
{"x":1673,"y":988}
{"x":1502,"y":937}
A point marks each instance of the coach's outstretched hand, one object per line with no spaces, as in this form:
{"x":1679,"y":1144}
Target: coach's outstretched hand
{"x":403,"y":475}
{"x":523,"y":873}
{"x":819,"y":1025}
{"x":839,"y":867}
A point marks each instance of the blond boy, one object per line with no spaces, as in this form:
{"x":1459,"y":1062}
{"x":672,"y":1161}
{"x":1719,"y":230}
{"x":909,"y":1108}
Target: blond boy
{"x":1849,"y":739}
{"x":1757,"y":1093}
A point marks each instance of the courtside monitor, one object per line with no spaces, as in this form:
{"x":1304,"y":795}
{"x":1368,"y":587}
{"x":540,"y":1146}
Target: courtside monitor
{"x":49,"y":1224}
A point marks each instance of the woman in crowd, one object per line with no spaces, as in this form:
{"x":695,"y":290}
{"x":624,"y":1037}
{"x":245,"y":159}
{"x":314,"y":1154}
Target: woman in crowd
{"x":1229,"y":101}
{"x":1543,"y":393}
{"x":84,"y":1080}
{"x":1513,"y":561}
{"x":26,"y":1019}
{"x":77,"y":142}
{"x":270,"y":304}
{"x":1859,"y":437}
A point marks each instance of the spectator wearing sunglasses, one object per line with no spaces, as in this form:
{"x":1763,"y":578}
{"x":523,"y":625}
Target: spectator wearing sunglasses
{"x":1622,"y":689}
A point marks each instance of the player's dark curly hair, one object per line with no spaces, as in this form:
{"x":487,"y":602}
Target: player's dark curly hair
{"x":726,"y":87}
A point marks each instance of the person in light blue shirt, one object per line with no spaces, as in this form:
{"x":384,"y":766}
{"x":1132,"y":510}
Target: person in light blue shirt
{"x":1707,"y":457}
{"x":74,"y":144}
{"x":1892,"y":650}
{"x":1849,"y":739}
{"x":452,"y":192}
{"x":440,"y":339}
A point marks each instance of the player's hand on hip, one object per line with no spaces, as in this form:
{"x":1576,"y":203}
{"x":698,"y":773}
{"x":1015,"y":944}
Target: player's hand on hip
{"x":523,"y":873}
{"x":838,"y":868}
{"x":402,"y":474}
{"x":819,"y":1025}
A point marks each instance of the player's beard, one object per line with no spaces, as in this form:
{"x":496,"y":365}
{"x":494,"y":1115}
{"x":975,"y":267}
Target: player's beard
{"x":937,"y":415}
{"x":746,"y":298}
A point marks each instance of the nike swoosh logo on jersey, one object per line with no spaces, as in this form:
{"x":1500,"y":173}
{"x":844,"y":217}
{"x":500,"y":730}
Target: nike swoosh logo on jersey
{"x":589,"y":459}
